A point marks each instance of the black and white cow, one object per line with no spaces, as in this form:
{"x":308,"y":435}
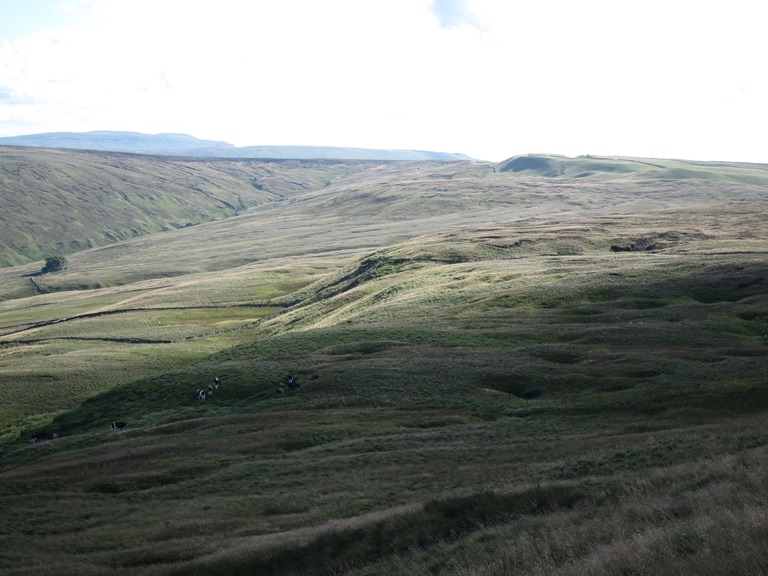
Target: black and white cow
{"x":201,"y":394}
{"x":290,"y":383}
{"x":116,"y":426}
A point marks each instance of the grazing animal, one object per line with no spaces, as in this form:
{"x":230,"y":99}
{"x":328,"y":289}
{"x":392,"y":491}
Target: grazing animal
{"x":210,"y":390}
{"x":201,"y":394}
{"x":118,"y":425}
{"x":216,"y":383}
{"x":291,"y":385}
{"x":39,"y":436}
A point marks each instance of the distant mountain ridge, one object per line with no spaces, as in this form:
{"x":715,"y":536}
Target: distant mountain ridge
{"x":168,"y":144}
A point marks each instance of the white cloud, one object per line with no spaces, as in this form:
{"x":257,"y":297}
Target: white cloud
{"x":490,"y":78}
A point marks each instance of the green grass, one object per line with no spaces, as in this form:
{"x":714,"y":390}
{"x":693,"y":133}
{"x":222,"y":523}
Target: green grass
{"x":61,"y":202}
{"x":610,"y":168}
{"x":494,"y":392}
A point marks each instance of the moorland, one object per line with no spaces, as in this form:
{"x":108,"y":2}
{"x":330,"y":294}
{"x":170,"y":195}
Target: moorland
{"x":549,"y":365}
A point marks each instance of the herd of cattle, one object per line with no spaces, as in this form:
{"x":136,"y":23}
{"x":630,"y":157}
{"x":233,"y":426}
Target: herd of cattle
{"x":203,"y":393}
{"x":289,"y":385}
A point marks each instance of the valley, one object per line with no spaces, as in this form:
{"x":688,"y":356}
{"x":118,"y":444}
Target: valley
{"x":544,"y":366}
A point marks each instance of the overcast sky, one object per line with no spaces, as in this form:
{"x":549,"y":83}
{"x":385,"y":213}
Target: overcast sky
{"x":488,"y":78}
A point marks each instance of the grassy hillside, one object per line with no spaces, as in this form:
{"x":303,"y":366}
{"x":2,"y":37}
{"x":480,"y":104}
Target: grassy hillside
{"x":613,"y":168}
{"x":60,"y":202}
{"x":500,"y":374}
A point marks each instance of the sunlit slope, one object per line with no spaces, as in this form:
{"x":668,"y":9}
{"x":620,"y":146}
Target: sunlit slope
{"x":376,"y":206}
{"x":62,"y":201}
{"x":554,"y":166}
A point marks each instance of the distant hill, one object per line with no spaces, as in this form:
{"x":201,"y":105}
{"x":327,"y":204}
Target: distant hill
{"x":61,"y":201}
{"x":186,"y":145}
{"x":117,"y":142}
{"x":330,"y":152}
{"x":611,"y":168}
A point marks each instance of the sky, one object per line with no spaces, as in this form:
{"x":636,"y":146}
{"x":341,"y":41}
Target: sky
{"x":488,"y":78}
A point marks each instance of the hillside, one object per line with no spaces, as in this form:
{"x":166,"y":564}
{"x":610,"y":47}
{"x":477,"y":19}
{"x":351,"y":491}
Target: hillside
{"x":634,"y":168}
{"x":501,"y":372}
{"x":186,"y":145}
{"x":62,"y":201}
